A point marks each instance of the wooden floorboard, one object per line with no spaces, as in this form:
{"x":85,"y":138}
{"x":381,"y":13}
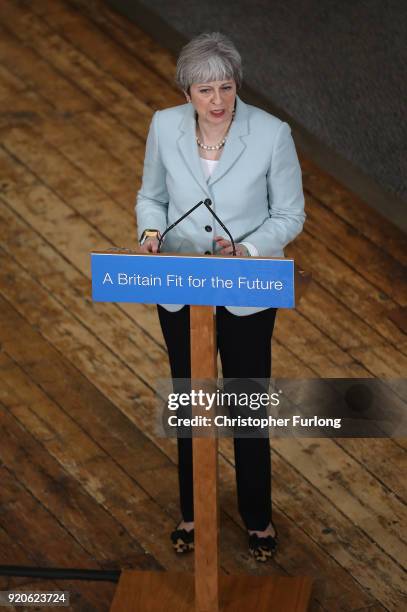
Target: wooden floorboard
{"x":28,"y":523}
{"x":81,"y":461}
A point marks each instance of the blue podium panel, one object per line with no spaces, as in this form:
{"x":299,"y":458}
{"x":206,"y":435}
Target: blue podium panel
{"x":200,"y":280}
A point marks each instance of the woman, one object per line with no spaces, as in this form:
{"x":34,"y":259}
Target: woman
{"x":243,"y":159}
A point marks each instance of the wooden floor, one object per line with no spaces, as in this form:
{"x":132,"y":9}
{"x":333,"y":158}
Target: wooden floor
{"x":84,"y":481}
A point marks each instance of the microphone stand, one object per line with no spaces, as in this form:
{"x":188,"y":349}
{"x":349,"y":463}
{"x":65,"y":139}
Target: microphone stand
{"x":208,"y":204}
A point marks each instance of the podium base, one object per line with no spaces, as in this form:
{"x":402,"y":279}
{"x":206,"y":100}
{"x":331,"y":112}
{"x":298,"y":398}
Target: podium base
{"x":174,"y":592}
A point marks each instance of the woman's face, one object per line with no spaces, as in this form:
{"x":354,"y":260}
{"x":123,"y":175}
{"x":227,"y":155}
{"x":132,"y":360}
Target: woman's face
{"x":214,"y":101}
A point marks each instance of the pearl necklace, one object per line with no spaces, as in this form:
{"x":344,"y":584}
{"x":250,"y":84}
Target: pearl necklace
{"x":211,"y":147}
{"x":217,"y":146}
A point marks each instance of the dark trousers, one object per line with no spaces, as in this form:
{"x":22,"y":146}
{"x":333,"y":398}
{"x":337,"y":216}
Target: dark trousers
{"x":244,"y":344}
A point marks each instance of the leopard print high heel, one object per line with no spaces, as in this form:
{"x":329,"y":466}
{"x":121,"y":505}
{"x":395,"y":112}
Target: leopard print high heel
{"x":182,"y":541}
{"x":262,"y":549}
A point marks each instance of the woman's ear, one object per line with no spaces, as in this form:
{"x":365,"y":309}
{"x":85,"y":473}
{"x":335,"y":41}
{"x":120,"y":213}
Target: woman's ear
{"x":187,"y":96}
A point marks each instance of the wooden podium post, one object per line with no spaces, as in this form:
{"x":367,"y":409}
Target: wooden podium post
{"x":205,"y":461}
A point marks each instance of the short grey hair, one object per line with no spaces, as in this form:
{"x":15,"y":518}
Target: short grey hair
{"x":208,"y":57}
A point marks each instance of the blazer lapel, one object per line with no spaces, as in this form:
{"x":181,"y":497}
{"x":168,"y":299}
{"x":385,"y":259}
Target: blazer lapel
{"x":235,"y":144}
{"x":233,"y":148}
{"x":189,"y":149}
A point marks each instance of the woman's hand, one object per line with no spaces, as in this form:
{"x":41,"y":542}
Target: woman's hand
{"x":150,"y":245}
{"x":226,"y":248}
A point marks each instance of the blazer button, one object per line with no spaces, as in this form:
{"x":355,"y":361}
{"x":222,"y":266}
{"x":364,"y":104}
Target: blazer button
{"x":208,"y":228}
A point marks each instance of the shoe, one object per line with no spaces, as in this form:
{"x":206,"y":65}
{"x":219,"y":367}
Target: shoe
{"x":182,"y":540}
{"x":262,"y":549}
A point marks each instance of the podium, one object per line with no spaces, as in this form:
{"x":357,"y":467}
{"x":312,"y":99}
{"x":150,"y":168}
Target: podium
{"x":207,"y":590}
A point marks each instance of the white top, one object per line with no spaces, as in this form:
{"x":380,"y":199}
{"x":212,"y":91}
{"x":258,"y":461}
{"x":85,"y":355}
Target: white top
{"x":208,"y":166}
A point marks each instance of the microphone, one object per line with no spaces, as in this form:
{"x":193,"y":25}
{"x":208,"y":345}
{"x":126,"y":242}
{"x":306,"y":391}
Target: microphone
{"x":207,"y":203}
{"x":191,"y":210}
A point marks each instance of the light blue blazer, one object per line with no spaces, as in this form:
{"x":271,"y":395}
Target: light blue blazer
{"x":256,"y":187}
